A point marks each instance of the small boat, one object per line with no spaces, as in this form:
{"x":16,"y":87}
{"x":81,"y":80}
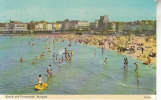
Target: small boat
{"x":41,"y":86}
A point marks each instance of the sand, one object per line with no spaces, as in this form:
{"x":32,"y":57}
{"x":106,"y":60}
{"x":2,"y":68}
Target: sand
{"x":125,"y":42}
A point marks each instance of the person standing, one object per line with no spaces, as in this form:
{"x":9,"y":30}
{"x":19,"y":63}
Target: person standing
{"x":62,"y":59}
{"x":149,"y":60}
{"x":66,"y":52}
{"x":137,"y":67}
{"x":109,"y":44}
{"x":105,"y":60}
{"x":142,"y":50}
{"x":48,"y":69}
{"x":126,"y":61}
{"x":51,"y":73}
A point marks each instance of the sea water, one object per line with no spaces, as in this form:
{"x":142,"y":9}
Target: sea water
{"x":86,"y":73}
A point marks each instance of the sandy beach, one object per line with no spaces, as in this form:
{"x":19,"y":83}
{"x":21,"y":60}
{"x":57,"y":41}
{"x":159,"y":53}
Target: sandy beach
{"x":127,"y":45}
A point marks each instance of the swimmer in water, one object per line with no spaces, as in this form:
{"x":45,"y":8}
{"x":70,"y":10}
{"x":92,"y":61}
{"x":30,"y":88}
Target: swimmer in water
{"x":36,"y":58}
{"x":59,"y":61}
{"x":72,"y":52}
{"x":105,"y":60}
{"x":69,"y":58}
{"x":53,"y":55}
{"x":42,"y":55}
{"x":56,"y":57}
{"x":51,"y":73}
{"x":21,"y":60}
{"x":48,"y":49}
{"x":66,"y":52}
{"x":68,"y":55}
{"x":33,"y":62}
{"x":125,"y":62}
{"x":62,"y":59}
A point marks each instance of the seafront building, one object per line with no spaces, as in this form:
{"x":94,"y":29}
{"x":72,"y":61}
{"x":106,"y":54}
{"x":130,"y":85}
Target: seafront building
{"x":4,"y":27}
{"x":83,"y":24}
{"x":40,"y":27}
{"x":96,"y":24}
{"x":17,"y":27}
{"x":31,"y":26}
{"x":67,"y":25}
{"x":143,"y":26}
{"x":14,"y":27}
{"x":57,"y":27}
{"x":73,"y":24}
{"x":103,"y":25}
{"x":43,"y":26}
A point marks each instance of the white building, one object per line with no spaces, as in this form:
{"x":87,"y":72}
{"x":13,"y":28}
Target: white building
{"x":2,"y":27}
{"x":43,"y":27}
{"x":96,"y":24}
{"x":39,"y":27}
{"x":83,"y":24}
{"x":49,"y":27}
{"x":17,"y":27}
{"x":57,"y":27}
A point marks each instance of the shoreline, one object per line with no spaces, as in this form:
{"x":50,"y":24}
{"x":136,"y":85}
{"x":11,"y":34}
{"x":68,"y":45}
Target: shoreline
{"x":113,"y":43}
{"x":137,"y":55}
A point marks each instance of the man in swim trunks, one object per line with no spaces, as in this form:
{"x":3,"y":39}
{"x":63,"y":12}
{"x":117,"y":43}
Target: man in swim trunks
{"x":126,"y":62}
{"x":137,"y":67}
{"x":42,"y":55}
{"x":40,"y":79}
{"x":66,"y":52}
{"x":48,"y":69}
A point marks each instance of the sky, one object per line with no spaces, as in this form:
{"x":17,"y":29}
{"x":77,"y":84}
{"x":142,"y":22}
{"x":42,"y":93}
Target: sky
{"x":90,"y":10}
